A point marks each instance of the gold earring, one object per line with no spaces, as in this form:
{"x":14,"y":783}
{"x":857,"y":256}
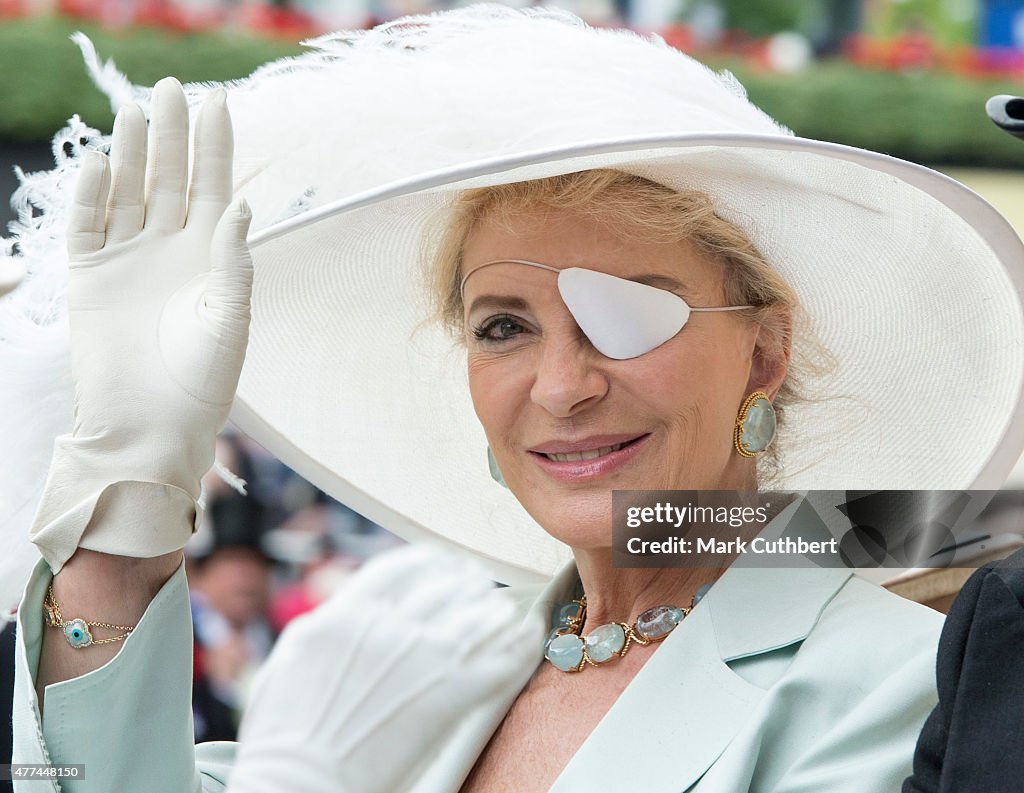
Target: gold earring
{"x":755,"y":425}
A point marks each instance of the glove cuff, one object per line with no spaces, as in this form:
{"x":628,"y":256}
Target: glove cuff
{"x":143,"y":519}
{"x":98,"y":505}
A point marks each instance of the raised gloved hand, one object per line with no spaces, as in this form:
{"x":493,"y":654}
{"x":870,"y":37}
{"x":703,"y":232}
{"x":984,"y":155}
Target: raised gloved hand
{"x":358,"y":693}
{"x":158,"y":301}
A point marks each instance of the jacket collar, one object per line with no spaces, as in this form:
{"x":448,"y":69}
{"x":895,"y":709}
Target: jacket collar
{"x":763,"y":603}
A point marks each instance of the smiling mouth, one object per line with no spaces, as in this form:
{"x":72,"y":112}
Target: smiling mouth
{"x":591,"y":454}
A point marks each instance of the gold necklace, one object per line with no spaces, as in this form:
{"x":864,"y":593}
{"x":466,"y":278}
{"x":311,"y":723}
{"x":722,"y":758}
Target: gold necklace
{"x":568,"y":651}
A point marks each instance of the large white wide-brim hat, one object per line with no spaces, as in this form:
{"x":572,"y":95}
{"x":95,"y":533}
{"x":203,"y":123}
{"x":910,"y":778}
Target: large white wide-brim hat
{"x":351,"y":154}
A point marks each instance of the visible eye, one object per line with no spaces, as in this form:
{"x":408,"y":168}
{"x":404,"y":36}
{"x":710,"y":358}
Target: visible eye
{"x":498,"y":329}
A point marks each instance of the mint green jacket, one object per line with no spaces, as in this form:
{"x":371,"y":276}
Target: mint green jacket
{"x":794,"y":680}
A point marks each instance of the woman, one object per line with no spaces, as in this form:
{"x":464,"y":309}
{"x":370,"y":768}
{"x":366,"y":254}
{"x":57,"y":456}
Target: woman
{"x":559,"y":250}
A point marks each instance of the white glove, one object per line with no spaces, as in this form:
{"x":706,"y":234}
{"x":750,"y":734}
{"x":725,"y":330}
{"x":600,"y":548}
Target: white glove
{"x":359,"y":693}
{"x":158,"y":303}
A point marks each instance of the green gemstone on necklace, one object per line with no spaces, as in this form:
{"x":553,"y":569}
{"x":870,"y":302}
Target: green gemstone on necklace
{"x":605,"y":641}
{"x":564,"y":613}
{"x":552,"y":634}
{"x":658,"y":621}
{"x":565,"y":652}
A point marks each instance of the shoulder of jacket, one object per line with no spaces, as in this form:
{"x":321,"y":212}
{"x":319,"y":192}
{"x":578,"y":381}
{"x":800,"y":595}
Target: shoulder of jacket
{"x":868,"y":608}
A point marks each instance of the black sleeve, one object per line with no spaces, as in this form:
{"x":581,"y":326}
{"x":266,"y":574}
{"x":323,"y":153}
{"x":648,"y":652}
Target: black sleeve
{"x":7,"y":642}
{"x":974,"y":739}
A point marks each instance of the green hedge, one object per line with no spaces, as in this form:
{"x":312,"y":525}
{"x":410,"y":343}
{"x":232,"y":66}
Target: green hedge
{"x":44,"y":81}
{"x":935,"y":119}
{"x":927,"y":118}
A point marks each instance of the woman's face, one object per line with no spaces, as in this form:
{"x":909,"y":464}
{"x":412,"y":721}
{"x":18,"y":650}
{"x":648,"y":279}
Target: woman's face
{"x":540,"y":389}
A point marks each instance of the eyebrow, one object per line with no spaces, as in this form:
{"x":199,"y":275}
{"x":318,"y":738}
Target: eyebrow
{"x":498,"y":301}
{"x":661,"y":281}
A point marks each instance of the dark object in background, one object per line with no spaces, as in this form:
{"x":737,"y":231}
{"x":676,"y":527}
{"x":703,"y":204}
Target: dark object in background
{"x":30,"y":156}
{"x":238,"y":522}
{"x":6,"y":699}
{"x":1007,"y":113}
{"x":972,"y":741}
{"x":213,"y":719}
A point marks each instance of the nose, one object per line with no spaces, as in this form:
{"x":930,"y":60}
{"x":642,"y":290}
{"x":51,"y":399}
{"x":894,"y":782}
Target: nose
{"x":570,"y":375}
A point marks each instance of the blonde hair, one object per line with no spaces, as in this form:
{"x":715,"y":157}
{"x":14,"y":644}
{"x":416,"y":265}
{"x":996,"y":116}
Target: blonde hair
{"x":655,"y":213}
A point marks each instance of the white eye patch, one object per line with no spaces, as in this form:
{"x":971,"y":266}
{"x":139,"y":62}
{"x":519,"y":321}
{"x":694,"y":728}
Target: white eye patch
{"x":621,"y":318}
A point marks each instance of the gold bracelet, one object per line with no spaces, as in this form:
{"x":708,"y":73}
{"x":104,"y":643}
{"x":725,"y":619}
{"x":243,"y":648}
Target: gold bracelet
{"x":76,"y":631}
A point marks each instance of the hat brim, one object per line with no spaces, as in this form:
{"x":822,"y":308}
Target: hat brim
{"x":911,"y":280}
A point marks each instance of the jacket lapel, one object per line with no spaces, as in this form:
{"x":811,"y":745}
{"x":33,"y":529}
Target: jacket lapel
{"x":772,"y":601}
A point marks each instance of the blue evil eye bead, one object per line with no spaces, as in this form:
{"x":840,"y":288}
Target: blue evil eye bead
{"x":77,"y":633}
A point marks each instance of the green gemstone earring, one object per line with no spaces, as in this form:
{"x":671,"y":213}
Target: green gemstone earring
{"x":492,"y":464}
{"x":755,"y":425}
